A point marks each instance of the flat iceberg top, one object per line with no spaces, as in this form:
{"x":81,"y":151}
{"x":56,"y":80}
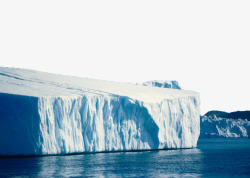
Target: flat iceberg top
{"x":39,"y":84}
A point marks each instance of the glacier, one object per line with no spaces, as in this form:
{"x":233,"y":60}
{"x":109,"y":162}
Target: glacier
{"x":212,"y":127}
{"x":45,"y":114}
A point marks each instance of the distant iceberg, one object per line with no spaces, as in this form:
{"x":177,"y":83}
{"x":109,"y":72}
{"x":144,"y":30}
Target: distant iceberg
{"x":223,"y":127}
{"x":42,"y":114}
{"x":162,"y":84}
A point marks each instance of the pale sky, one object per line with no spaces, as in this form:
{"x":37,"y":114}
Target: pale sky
{"x":205,"y":45}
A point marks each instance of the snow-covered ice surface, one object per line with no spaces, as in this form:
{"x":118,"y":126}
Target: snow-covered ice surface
{"x":43,"y":113}
{"x":162,"y":84}
{"x":223,"y":127}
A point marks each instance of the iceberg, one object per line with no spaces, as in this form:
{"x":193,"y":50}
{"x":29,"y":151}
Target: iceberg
{"x":162,"y":84}
{"x":45,"y":114}
{"x":223,"y":127}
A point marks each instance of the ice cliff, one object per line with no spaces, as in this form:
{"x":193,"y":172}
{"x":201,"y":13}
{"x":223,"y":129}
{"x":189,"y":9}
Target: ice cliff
{"x":43,"y":113}
{"x":223,"y":127}
{"x":162,"y":84}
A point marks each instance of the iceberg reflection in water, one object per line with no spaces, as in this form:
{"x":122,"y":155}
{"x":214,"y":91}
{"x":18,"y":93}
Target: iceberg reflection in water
{"x":152,"y":163}
{"x":213,"y":157}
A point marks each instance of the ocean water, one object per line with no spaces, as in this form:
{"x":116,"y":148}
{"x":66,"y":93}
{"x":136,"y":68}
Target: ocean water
{"x":221,"y":157}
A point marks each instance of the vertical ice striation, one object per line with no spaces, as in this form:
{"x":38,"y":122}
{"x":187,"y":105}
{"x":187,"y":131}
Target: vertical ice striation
{"x":65,"y":118}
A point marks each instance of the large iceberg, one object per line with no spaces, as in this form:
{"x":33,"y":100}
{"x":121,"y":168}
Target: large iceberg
{"x":211,"y":127}
{"x":43,"y":113}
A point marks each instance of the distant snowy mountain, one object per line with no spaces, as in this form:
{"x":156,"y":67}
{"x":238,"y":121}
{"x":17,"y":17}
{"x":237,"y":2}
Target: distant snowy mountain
{"x":162,"y":84}
{"x":224,"y":127}
{"x":43,"y":113}
{"x":232,"y":115}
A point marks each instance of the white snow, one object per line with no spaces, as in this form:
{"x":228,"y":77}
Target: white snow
{"x":42,"y":113}
{"x":224,"y":127}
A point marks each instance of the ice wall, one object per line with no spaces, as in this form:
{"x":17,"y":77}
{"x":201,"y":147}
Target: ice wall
{"x":223,"y":127}
{"x":59,"y":122}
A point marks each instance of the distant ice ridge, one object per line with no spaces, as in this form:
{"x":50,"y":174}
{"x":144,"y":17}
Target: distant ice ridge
{"x":43,"y":113}
{"x":162,"y":84}
{"x":223,"y":127}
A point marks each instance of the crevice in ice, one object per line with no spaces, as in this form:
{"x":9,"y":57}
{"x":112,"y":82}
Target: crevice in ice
{"x":10,"y":76}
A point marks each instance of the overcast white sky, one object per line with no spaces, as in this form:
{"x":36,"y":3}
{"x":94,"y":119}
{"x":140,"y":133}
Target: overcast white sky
{"x":205,"y":45}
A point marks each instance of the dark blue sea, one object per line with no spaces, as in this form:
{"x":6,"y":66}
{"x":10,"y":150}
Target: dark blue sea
{"x":212,"y":158}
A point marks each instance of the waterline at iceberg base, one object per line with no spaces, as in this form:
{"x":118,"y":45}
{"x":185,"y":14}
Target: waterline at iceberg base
{"x":42,"y":114}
